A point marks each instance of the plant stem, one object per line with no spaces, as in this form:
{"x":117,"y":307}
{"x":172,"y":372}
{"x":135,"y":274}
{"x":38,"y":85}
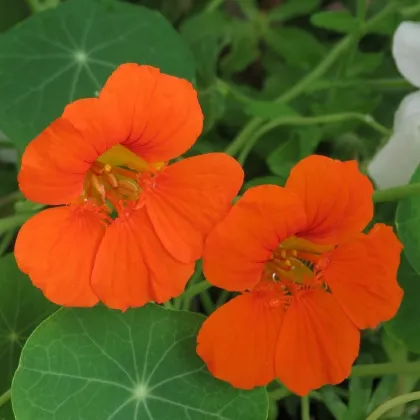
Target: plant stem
{"x":396,"y":193}
{"x":305,"y":408}
{"x":10,"y":198}
{"x":207,"y":302}
{"x":395,"y":83}
{"x":14,"y":221}
{"x":5,"y":242}
{"x":380,"y":369}
{"x":4,"y":398}
{"x":394,"y":402}
{"x":299,"y":121}
{"x":193,"y":291}
{"x":223,"y":297}
{"x":300,"y":87}
{"x":213,"y":5}
{"x":279,"y":393}
{"x":39,"y":6}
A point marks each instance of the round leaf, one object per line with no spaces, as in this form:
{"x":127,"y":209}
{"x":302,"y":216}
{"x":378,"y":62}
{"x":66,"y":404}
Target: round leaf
{"x":22,"y":308}
{"x":406,"y":324}
{"x":60,"y":55}
{"x":407,"y":222}
{"x":99,"y":364}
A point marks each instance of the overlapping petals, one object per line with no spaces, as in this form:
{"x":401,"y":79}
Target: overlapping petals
{"x":113,"y":151}
{"x":261,"y":219}
{"x":323,"y":279}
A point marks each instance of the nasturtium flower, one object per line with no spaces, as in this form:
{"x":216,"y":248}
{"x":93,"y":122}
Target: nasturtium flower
{"x":396,"y":161}
{"x":127,"y":227}
{"x":309,"y":279}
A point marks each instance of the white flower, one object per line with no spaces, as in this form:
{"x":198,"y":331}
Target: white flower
{"x":396,"y":162}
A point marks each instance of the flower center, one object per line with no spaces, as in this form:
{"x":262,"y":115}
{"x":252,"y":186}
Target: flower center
{"x":116,"y":178}
{"x":294,"y":260}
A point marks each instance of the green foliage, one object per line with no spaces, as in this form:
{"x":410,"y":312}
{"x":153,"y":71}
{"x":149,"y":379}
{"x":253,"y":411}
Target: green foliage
{"x":63,"y":54}
{"x":339,"y":21}
{"x":404,"y":325}
{"x":277,"y":81}
{"x":138,"y":364}
{"x":22,"y":308}
{"x":406,"y":220}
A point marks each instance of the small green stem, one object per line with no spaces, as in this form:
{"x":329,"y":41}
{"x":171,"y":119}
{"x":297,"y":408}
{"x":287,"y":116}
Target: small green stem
{"x":207,"y":302}
{"x":39,"y":6}
{"x":193,"y":291}
{"x":394,"y":402}
{"x":4,"y":398}
{"x":305,"y":408}
{"x":301,"y":121}
{"x":223,"y":297}
{"x":396,"y":193}
{"x":380,"y":369}
{"x":304,"y":84}
{"x":395,"y":83}
{"x":13,"y":222}
{"x":213,"y":5}
{"x":5,"y":242}
{"x":10,"y":198}
{"x":279,"y":393}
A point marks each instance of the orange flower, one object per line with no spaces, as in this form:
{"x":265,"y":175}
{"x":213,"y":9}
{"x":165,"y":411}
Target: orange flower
{"x":108,"y":155}
{"x":309,"y":279}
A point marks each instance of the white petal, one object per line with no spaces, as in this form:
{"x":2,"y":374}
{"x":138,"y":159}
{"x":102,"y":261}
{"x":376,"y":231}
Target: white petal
{"x":406,"y":51}
{"x":396,"y":162}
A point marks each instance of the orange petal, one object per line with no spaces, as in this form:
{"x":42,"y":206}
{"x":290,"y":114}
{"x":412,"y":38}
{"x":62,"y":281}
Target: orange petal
{"x":55,"y":163}
{"x":100,"y":124}
{"x":132,"y":267}
{"x":337,"y":198}
{"x":189,"y":198}
{"x":160,"y":113}
{"x":317,"y":344}
{"x":239,"y":247}
{"x":56,"y":248}
{"x":238,"y":341}
{"x":362,"y":275}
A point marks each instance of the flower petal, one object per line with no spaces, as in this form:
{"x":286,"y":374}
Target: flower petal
{"x":132,"y":267}
{"x":406,"y":51}
{"x":238,"y":248}
{"x":317,"y":343}
{"x":238,"y":341}
{"x":56,"y":248}
{"x":55,"y":163}
{"x":395,"y":163}
{"x":362,"y":275}
{"x":336,"y":196}
{"x":188,"y":198}
{"x":160,"y":113}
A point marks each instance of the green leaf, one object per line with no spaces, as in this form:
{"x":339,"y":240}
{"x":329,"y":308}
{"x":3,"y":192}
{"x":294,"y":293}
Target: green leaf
{"x":300,"y":144}
{"x":12,"y":12}
{"x":360,"y":391}
{"x":339,"y":21}
{"x":212,"y":102}
{"x":101,"y":364}
{"x":243,"y":49}
{"x":269,"y":109}
{"x":22,"y":308}
{"x":298,"y":47}
{"x":405,"y":326}
{"x":206,"y":35}
{"x":407,"y":222}
{"x":383,"y":392}
{"x":292,"y":9}
{"x":66,"y":53}
{"x":333,"y":402}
